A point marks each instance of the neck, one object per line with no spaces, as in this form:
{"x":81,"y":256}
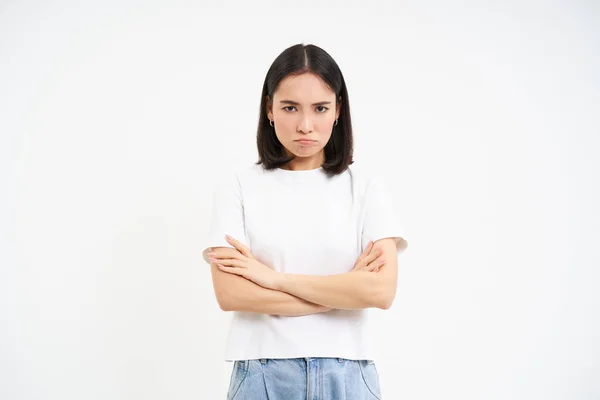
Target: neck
{"x":305,"y":163}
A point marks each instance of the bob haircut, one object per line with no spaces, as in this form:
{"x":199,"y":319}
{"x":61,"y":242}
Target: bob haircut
{"x":297,"y":60}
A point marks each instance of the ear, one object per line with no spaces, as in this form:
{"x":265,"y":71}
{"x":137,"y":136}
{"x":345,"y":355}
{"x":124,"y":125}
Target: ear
{"x":269,"y":107}
{"x":338,"y":107}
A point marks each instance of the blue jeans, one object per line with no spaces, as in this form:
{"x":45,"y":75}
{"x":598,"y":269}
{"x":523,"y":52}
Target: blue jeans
{"x":304,"y":379}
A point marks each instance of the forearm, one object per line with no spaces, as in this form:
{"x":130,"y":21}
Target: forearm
{"x":235,"y":293}
{"x":351,"y":290}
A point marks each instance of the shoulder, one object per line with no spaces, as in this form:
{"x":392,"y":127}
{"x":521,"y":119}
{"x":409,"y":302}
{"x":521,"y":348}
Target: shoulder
{"x":240,"y":178}
{"x":242,"y":173}
{"x":250,"y":174}
{"x":364,"y":175}
{"x":372,"y":183}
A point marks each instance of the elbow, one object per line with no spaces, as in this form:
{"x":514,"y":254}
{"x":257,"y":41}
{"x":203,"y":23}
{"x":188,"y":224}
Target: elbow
{"x":224,"y":305}
{"x":226,"y":296}
{"x":226,"y":301}
{"x":229,"y":304}
{"x":385,"y":302}
{"x":376,"y":295}
{"x":384,"y":298}
{"x":383,"y":291}
{"x":379,"y":300}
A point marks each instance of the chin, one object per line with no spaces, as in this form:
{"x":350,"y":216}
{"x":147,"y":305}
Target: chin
{"x":305,"y":154}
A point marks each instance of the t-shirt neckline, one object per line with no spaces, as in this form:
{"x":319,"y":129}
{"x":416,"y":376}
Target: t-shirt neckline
{"x":299,"y":175}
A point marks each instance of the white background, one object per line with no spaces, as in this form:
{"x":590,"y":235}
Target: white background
{"x":116,"y":119}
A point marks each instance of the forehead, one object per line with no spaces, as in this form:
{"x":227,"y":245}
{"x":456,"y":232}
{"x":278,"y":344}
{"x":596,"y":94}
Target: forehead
{"x":305,"y":87}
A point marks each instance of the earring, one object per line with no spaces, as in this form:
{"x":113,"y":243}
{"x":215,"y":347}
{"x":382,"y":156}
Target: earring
{"x":271,"y":122}
{"x":336,"y":122}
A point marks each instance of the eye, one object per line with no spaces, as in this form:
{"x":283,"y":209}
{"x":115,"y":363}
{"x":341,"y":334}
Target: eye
{"x":287,"y":108}
{"x":321,"y":109}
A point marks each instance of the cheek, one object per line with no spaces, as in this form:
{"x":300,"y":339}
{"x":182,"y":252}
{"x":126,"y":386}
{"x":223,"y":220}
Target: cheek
{"x":287,"y":124}
{"x":285,"y":128}
{"x":325,"y":128}
{"x":326,"y":125}
{"x":326,"y":121}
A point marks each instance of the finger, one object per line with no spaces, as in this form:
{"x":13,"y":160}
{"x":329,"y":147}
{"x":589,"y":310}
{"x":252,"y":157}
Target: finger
{"x":239,"y":246}
{"x":366,"y":251}
{"x":377,"y":264}
{"x":231,"y":262}
{"x":368,"y":248}
{"x":373,"y":256}
{"x":230,"y":270}
{"x":222,"y":255}
{"x":369,"y":268}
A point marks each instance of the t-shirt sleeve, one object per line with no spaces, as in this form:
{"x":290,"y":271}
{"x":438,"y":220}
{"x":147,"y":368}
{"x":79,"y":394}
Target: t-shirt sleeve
{"x":227,"y":215}
{"x":381,"y":217}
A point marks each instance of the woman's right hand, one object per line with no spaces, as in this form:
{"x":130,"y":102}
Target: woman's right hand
{"x":369,"y":260}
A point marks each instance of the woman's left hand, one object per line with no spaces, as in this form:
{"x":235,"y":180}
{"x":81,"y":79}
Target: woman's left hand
{"x":244,"y":264}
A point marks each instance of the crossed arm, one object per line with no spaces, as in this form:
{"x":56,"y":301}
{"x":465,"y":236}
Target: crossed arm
{"x":296,"y":295}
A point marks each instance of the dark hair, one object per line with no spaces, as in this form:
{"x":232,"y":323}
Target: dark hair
{"x":297,"y":60}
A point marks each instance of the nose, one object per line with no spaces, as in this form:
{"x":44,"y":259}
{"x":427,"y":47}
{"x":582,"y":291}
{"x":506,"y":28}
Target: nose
{"x":305,"y":124}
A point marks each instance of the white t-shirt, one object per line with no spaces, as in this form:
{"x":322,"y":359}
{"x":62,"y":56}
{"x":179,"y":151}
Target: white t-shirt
{"x":302,"y":222}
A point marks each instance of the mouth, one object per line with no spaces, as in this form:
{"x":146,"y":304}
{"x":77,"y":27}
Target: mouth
{"x":305,"y":141}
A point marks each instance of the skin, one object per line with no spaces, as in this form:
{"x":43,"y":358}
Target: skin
{"x":371,"y":283}
{"x":303,"y":108}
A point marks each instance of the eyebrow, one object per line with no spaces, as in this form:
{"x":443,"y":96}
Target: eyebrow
{"x":295,"y":103}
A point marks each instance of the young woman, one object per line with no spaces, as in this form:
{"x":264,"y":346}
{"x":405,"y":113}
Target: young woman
{"x":302,"y":243}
